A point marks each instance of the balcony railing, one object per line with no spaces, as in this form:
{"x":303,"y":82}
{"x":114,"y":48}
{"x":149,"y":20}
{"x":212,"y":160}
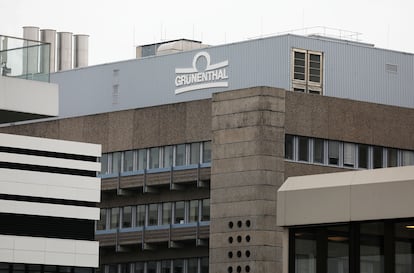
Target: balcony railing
{"x":25,"y":59}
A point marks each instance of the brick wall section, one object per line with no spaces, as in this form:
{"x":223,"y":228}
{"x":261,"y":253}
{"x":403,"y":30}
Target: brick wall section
{"x":247,"y":170}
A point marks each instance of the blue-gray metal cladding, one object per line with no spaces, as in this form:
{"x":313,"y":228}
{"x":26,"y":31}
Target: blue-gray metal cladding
{"x":353,"y":71}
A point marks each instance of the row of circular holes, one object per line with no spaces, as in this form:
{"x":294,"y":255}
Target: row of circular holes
{"x":239,"y":254}
{"x":239,"y":239}
{"x":240,"y":224}
{"x":239,"y":269}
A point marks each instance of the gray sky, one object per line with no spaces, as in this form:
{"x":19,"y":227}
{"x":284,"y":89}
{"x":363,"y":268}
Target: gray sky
{"x":116,"y":26}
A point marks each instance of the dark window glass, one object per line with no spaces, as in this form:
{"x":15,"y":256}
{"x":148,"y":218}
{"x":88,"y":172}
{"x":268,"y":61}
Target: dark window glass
{"x":206,"y":151}
{"x":34,"y":268}
{"x":378,"y":157}
{"x":349,"y":154}
{"x":116,"y":162}
{"x":166,"y":266}
{"x":299,"y":67}
{"x":139,"y":267}
{"x":179,"y":212}
{"x":318,"y":150}
{"x":128,"y":161}
{"x":205,"y":210}
{"x":289,"y":146}
{"x":168,"y":156}
{"x":154,"y":160}
{"x":127,"y":217}
{"x":338,"y":249}
{"x":142,"y":159}
{"x":125,"y":268}
{"x":305,"y":251}
{"x":178,"y":266}
{"x":192,"y":265}
{"x":104,"y":164}
{"x":180,"y":155}
{"x":195,"y":153}
{"x":114,"y":218}
{"x":392,"y":157}
{"x":204,"y":264}
{"x":53,"y":269}
{"x":404,"y":247}
{"x":193,"y":214}
{"x":140,"y":220}
{"x":362,"y":156}
{"x":333,"y":152}
{"x":303,"y":146}
{"x":112,"y":268}
{"x":153,"y":214}
{"x":407,"y":158}
{"x":152,"y":267}
{"x":166,"y":213}
{"x":4,"y":268}
{"x":372,"y":247}
{"x":101,"y":223}
{"x":18,"y":268}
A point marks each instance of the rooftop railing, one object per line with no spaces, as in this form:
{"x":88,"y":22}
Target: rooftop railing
{"x":24,"y":59}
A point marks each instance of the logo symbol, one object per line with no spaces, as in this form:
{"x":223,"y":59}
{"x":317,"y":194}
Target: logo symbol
{"x":190,"y":79}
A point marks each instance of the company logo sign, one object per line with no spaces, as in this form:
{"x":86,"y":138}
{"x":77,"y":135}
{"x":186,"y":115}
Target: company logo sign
{"x":189,"y":79}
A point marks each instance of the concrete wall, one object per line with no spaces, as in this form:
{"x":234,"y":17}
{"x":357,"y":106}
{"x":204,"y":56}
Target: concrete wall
{"x":247,"y":169}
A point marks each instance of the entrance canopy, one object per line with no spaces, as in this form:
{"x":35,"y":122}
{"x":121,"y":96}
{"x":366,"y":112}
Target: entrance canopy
{"x":347,"y":196}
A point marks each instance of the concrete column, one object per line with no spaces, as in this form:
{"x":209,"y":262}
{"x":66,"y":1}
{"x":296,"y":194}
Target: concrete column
{"x":247,"y":169}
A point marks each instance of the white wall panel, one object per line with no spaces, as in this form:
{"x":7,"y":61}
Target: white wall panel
{"x":49,"y":185}
{"x":44,"y":209}
{"x":37,"y":250}
{"x":50,"y":161}
{"x":51,"y":145}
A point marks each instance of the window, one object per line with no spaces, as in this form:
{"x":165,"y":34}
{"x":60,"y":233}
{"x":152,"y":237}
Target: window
{"x":195,"y":153}
{"x":205,"y":210}
{"x":349,"y":155}
{"x":139,"y":267}
{"x":152,"y":214}
{"x":192,"y":265}
{"x":116,"y":162}
{"x":362,"y":156}
{"x":178,"y":266}
{"x":180,"y":155}
{"x":114,"y":218}
{"x":204,"y":264}
{"x":407,"y":158}
{"x":104,"y":164}
{"x":152,"y":267}
{"x":168,"y":156}
{"x":140,"y":216}
{"x":154,"y":158}
{"x":206,"y":151}
{"x":307,"y":71}
{"x":127,"y":217}
{"x":125,"y":268}
{"x":333,"y":152}
{"x":318,"y":150}
{"x":193,"y":214}
{"x":142,"y":159}
{"x":166,"y":266}
{"x":378,"y":157}
{"x":179,"y":212}
{"x":166,"y":213}
{"x":392,"y":156}
{"x":303,"y":148}
{"x":289,"y":147}
{"x":101,"y":223}
{"x":128,"y":162}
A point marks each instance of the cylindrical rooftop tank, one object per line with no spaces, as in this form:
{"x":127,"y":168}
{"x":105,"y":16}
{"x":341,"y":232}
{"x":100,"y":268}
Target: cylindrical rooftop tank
{"x":81,"y":44}
{"x":48,"y":53}
{"x":30,"y":51}
{"x":64,"y":51}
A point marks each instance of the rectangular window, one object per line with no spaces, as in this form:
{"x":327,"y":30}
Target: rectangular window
{"x":128,"y":163}
{"x":318,"y":150}
{"x":349,"y":155}
{"x":152,"y":214}
{"x":180,"y":155}
{"x":127,"y":217}
{"x":116,"y":162}
{"x":114,"y":218}
{"x":178,"y":266}
{"x":205,"y":212}
{"x":204,"y":264}
{"x":333,"y":152}
{"x":299,"y":65}
{"x":407,"y":158}
{"x":372,"y":247}
{"x":206,"y":151}
{"x":142,"y":159}
{"x":378,"y":157}
{"x":166,"y":213}
{"x":314,"y":68}
{"x":289,"y":147}
{"x":192,"y":265}
{"x":166,"y":266}
{"x":152,"y":267}
{"x":101,"y":223}
{"x":195,"y":153}
{"x":104,"y":164}
{"x":363,"y":156}
{"x":392,"y":155}
{"x":139,"y":267}
{"x":305,"y":252}
{"x":140,"y":219}
{"x":307,"y":71}
{"x":154,"y":160}
{"x":168,"y":156}
{"x":179,"y":212}
{"x":193,"y":214}
{"x":125,"y":268}
{"x":303,"y":148}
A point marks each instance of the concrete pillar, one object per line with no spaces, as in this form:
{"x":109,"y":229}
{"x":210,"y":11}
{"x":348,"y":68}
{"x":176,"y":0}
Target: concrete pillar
{"x":247,"y":169}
